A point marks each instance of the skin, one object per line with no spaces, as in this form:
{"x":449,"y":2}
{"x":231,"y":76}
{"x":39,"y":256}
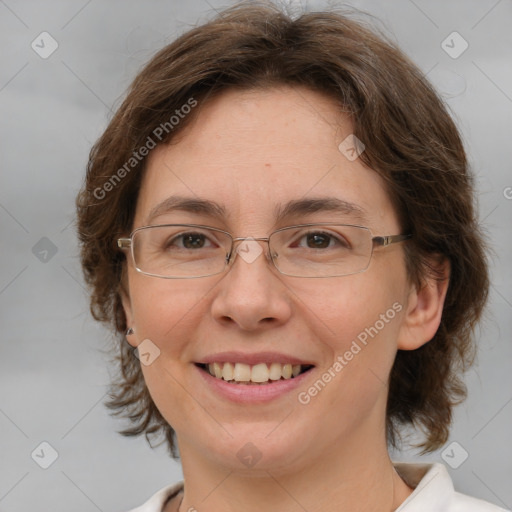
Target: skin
{"x":249,"y":151}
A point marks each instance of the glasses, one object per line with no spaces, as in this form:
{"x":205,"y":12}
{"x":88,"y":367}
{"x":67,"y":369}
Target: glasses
{"x":180,"y":251}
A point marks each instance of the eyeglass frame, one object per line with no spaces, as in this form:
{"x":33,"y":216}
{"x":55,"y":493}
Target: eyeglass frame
{"x":379,"y":241}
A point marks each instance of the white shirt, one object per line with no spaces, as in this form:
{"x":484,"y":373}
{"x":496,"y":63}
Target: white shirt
{"x":433,"y":492}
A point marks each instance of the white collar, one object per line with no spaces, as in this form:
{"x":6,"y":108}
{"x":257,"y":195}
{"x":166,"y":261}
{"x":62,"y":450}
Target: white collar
{"x":431,"y":483}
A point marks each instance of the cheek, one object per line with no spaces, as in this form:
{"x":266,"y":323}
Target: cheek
{"x":360,"y":318}
{"x":360,"y":354}
{"x":358,"y":307}
{"x":165,"y":311}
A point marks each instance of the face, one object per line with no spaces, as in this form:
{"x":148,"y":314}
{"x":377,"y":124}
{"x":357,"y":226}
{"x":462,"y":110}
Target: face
{"x":250,"y":152}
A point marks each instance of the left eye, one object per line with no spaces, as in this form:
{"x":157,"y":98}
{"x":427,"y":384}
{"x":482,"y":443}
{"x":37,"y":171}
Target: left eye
{"x":322,"y":240}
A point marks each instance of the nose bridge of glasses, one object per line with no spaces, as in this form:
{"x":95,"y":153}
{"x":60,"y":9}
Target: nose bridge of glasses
{"x":250,"y":238}
{"x":239,"y":240}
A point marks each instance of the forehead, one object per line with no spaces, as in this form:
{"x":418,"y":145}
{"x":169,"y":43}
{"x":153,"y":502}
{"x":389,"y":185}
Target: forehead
{"x":260,"y":157}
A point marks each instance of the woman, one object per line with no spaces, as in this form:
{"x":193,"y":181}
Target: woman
{"x":279,"y":219}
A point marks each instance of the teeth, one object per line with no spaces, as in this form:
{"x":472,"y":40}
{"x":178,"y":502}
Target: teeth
{"x":287,"y":371}
{"x":242,"y":372}
{"x":228,"y":371}
{"x":259,"y":373}
{"x":275,"y":371}
{"x":217,"y":370}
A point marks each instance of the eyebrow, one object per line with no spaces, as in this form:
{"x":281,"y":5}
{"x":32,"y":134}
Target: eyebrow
{"x":282,"y":212}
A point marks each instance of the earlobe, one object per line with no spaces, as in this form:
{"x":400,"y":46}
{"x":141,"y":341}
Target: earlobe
{"x":127,"y":307}
{"x":424,"y":308}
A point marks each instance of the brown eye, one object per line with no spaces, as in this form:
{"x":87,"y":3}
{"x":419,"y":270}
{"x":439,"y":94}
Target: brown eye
{"x":318,"y":240}
{"x":322,"y":240}
{"x":188,"y":241}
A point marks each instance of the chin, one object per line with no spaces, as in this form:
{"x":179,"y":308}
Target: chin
{"x":256,"y":448}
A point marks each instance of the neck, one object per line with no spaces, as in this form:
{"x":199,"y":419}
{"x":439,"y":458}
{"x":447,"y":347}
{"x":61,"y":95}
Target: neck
{"x":352,"y":475}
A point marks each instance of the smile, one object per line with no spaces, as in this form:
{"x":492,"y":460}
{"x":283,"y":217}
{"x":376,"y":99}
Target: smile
{"x":259,"y":374}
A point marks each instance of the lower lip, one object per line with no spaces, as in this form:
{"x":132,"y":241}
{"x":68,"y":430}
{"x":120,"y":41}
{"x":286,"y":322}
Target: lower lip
{"x":252,"y":393}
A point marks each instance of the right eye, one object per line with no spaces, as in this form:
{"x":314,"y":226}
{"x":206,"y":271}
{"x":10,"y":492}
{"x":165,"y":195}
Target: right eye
{"x":190,"y":240}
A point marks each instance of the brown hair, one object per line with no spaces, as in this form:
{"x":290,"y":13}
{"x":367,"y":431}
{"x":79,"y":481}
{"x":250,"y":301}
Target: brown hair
{"x":410,"y":139}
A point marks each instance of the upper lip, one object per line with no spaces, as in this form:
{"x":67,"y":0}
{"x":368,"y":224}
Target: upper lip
{"x":252,"y":359}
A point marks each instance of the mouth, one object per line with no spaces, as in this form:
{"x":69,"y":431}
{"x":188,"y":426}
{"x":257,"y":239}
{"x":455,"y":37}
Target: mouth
{"x":259,"y":374}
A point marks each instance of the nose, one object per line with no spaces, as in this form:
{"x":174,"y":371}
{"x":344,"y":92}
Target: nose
{"x":252,"y":295}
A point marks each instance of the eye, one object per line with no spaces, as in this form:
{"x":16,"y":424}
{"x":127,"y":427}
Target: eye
{"x":323,"y":240}
{"x":191,"y":240}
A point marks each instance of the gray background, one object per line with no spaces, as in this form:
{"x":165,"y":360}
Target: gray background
{"x":53,"y":364}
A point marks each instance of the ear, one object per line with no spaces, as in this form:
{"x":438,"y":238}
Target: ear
{"x":425,"y":307}
{"x":127,"y":307}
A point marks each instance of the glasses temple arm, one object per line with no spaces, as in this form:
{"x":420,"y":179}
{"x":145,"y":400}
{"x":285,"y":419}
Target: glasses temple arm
{"x":390,"y":239}
{"x":124,"y":243}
